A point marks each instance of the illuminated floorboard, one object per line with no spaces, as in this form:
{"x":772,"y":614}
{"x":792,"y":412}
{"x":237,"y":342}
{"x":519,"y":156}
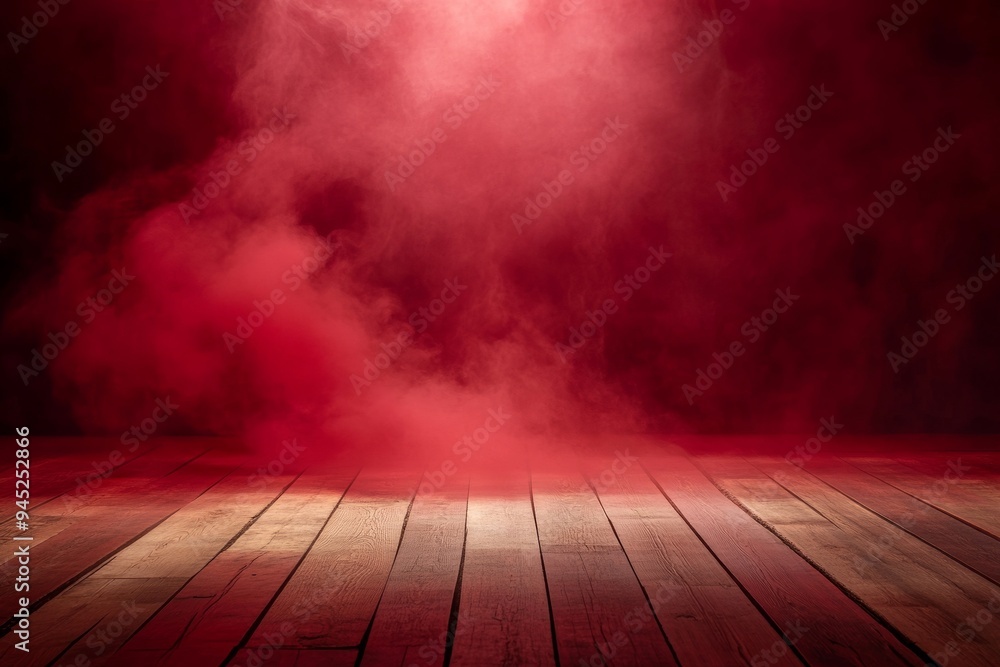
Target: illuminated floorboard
{"x":185,"y":555}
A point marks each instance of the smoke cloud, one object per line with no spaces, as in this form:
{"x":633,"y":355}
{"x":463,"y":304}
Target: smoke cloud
{"x":368,"y":224}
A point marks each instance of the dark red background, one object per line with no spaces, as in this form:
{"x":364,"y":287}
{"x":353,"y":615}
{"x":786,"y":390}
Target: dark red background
{"x":496,"y":345}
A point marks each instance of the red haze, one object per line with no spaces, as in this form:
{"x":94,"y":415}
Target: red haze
{"x":372,"y":242}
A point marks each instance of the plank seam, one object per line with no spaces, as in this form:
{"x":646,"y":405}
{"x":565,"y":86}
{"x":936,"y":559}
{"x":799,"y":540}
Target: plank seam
{"x":87,"y":571}
{"x":767,"y":617}
{"x":903,"y":639}
{"x":253,"y":626}
{"x":545,"y":576}
{"x":399,"y":545}
{"x":926,"y":502}
{"x":645,"y":593}
{"x":865,"y":506}
{"x":457,"y":599}
{"x":177,"y":592}
{"x":77,"y":639}
{"x":60,"y":495}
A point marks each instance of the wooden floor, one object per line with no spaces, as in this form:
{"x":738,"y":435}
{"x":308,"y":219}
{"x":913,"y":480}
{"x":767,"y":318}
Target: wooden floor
{"x":640,"y":553}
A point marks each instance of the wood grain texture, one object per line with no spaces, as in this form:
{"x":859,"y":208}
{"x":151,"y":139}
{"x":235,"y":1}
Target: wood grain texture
{"x":919,"y":591}
{"x":65,"y":491}
{"x":787,"y":588}
{"x":594,"y":594}
{"x":411,"y":625}
{"x":86,"y":536}
{"x":668,"y":559}
{"x":330,"y":600}
{"x":946,"y":489}
{"x":148,"y":572}
{"x":219,"y":606}
{"x":503,"y":616}
{"x":962,"y":542}
{"x":707,"y":617}
{"x":52,"y":477}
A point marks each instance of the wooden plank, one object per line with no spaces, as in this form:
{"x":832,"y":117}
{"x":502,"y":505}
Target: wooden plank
{"x":947,"y":491}
{"x":200,"y":615}
{"x":918,"y":590}
{"x":503,"y":616}
{"x":412,"y":620}
{"x":53,"y":512}
{"x":331,"y":598}
{"x":86,"y":621}
{"x":150,"y":570}
{"x":91,"y":538}
{"x":983,"y":465}
{"x":218,"y":607}
{"x":200,"y":529}
{"x":62,"y":475}
{"x":83,"y":500}
{"x":827,"y":627}
{"x":294,"y":658}
{"x":708,"y":619}
{"x":979,"y":477}
{"x":965,"y":544}
{"x":592,"y":589}
{"x":76,"y":461}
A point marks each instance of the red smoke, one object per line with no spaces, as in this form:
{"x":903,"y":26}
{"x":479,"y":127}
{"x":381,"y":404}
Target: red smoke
{"x":377,"y":238}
